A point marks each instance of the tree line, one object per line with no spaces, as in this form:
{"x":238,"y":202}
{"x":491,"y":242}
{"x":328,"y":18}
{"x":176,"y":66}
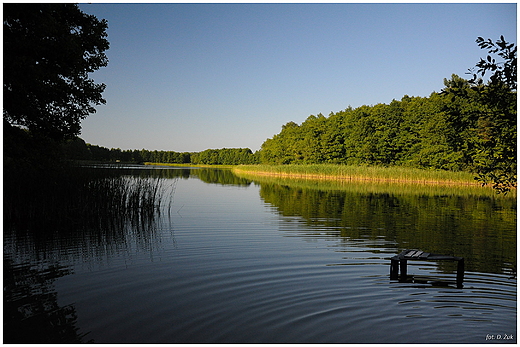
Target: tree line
{"x":77,"y":149}
{"x":469,"y":126}
{"x":438,"y":132}
{"x":452,"y":130}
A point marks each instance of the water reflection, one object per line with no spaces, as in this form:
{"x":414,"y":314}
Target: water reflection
{"x":85,"y":216}
{"x":31,"y":310}
{"x":93,"y":214}
{"x":207,"y":175}
{"x":224,"y":177}
{"x":239,"y":273}
{"x":480,"y":228}
{"x":82,"y":216}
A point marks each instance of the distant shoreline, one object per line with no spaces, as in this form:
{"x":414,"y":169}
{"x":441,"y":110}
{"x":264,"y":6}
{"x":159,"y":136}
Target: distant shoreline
{"x":335,"y":172}
{"x":191,"y":165}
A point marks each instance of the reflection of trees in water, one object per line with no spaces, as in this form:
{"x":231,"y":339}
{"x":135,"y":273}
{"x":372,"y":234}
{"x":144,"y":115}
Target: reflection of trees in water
{"x":31,"y":310}
{"x":83,"y":215}
{"x":207,"y":175}
{"x":85,"y":208}
{"x":220,"y":176}
{"x":73,"y":215}
{"x":481,"y":229}
{"x":87,"y":216}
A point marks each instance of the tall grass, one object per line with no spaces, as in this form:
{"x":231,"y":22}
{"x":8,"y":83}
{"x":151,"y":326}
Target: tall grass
{"x":83,"y":197}
{"x":124,"y":196}
{"x":347,"y":172}
{"x":378,"y":187}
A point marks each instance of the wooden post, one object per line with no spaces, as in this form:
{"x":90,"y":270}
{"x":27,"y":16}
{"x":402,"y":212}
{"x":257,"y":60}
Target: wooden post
{"x":460,"y":273}
{"x":403,"y":266}
{"x":394,"y":269}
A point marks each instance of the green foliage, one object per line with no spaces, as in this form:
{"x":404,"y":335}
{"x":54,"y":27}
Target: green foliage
{"x":27,"y":151}
{"x":76,"y":149}
{"x":224,"y":156}
{"x":496,"y":148}
{"x":49,"y":50}
{"x":503,"y":72}
{"x":432,"y":133}
{"x":469,"y":126}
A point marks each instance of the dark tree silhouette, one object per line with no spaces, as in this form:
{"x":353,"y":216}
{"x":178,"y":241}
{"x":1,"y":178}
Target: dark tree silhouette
{"x":49,"y":51}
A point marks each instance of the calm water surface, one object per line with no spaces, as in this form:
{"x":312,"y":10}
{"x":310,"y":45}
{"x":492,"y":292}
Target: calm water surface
{"x":233,"y":261}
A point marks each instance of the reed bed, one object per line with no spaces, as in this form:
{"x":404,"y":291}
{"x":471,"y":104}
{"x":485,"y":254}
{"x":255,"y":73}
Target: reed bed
{"x":83,"y":197}
{"x":124,"y":196}
{"x":379,"y":187}
{"x":361,"y":173}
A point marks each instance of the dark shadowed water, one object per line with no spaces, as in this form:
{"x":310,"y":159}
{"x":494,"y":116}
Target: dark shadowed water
{"x":234,"y":261}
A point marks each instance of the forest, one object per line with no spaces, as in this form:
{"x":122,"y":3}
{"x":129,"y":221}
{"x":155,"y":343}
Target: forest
{"x":77,"y":149}
{"x":441,"y":131}
{"x":470,"y":125}
{"x":456,"y":129}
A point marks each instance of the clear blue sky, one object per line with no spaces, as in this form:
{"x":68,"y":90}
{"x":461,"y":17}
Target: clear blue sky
{"x":188,"y":77}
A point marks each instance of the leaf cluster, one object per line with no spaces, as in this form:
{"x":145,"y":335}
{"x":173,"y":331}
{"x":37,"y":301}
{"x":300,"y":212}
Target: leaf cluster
{"x":502,"y":72}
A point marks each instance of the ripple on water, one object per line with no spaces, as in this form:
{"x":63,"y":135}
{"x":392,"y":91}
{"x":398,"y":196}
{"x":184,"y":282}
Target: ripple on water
{"x":227,"y":269}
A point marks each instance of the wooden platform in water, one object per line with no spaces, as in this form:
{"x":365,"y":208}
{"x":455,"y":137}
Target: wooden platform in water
{"x":400,"y":262}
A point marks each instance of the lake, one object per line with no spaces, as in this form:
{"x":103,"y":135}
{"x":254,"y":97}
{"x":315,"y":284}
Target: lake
{"x":228,"y":259}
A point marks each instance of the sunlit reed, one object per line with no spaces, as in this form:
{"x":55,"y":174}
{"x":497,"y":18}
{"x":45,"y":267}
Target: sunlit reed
{"x":350,"y":172}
